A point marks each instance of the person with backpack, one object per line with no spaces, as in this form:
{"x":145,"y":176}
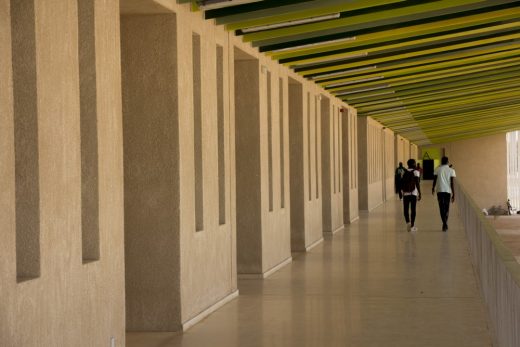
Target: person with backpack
{"x":445,"y":175}
{"x":399,"y":172}
{"x":411,"y":191}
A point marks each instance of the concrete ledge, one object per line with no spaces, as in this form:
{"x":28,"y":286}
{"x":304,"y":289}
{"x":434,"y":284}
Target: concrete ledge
{"x":188,"y":324}
{"x":314,"y":244}
{"x":267,"y":273}
{"x":330,"y":233}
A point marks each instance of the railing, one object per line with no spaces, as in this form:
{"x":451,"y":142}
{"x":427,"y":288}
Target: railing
{"x":497,"y":269}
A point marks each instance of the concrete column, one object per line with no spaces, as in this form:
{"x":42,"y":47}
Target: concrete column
{"x":65,"y":300}
{"x":349,"y":132}
{"x":150,"y":113}
{"x":331,"y":164}
{"x":389,"y":169}
{"x":263,"y":206}
{"x":179,"y":160}
{"x":370,"y":163}
{"x":304,"y":129}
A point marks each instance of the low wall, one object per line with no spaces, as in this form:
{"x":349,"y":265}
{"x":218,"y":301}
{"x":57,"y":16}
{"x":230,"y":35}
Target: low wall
{"x":497,"y":269}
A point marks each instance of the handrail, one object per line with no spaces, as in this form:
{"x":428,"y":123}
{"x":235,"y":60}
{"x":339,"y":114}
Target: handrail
{"x":497,"y":269}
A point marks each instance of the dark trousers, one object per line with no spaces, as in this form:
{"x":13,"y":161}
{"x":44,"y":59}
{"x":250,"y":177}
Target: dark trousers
{"x":409,"y":200}
{"x":444,"y":206}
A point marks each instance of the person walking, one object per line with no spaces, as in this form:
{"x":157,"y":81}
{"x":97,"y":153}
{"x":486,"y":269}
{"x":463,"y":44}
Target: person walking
{"x":419,"y":168}
{"x":444,"y":175}
{"x":399,"y":172}
{"x":411,"y":191}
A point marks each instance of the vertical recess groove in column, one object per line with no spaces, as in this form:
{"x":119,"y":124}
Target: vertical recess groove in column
{"x":282,"y":152}
{"x":197,"y":120}
{"x":88,"y":119}
{"x":26,"y":140}
{"x":221,"y":149}
{"x":270,"y":140}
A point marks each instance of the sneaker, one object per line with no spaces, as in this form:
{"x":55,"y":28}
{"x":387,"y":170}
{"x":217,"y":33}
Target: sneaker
{"x":414,"y":229}
{"x":408,"y":226}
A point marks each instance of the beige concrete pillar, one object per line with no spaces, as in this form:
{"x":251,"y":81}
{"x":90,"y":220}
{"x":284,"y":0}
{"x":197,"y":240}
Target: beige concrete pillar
{"x":179,"y":160}
{"x":150,"y":113}
{"x":304,"y":132}
{"x":402,"y":150}
{"x":389,"y":164}
{"x":370,"y":163}
{"x":331,"y":164}
{"x":51,"y":293}
{"x":349,"y":132}
{"x":414,"y":151}
{"x":263,"y":205}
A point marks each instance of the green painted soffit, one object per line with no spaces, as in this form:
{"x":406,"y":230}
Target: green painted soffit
{"x":432,"y":71}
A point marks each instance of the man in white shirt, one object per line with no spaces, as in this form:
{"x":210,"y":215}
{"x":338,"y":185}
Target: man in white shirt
{"x":444,"y":175}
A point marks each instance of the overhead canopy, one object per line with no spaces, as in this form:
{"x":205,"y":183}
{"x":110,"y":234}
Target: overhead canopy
{"x":433,"y":71}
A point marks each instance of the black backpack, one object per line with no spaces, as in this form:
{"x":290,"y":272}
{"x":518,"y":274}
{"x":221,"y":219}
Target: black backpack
{"x":408,"y":183}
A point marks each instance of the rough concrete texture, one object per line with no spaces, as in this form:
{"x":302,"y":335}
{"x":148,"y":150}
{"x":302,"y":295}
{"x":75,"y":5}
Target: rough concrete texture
{"x":200,"y":266}
{"x":370,"y":140}
{"x":305,"y":153}
{"x":480,"y":166}
{"x":248,"y":142}
{"x":402,"y":150}
{"x":350,"y":165}
{"x":263,"y":225}
{"x":331,"y":164}
{"x":70,"y":303}
{"x":414,"y":151}
{"x":151,"y":157}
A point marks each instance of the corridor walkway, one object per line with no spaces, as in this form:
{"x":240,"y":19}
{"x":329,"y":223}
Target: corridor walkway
{"x":373,"y":285}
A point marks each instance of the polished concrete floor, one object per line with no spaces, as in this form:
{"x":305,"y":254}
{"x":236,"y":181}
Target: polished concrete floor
{"x":375,"y":284}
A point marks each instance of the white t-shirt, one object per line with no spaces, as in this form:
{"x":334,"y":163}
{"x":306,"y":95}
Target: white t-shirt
{"x":444,"y":174}
{"x":415,"y":192}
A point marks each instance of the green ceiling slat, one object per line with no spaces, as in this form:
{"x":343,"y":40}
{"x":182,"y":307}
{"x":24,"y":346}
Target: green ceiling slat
{"x":424,"y":68}
{"x":297,"y":11}
{"x":444,"y":95}
{"x":444,"y":101}
{"x":439,"y":90}
{"x":396,"y":47}
{"x":432,"y":71}
{"x":390,"y":84}
{"x":252,"y":7}
{"x":424,"y":52}
{"x":406,"y":32}
{"x":352,"y":21}
{"x":365,"y":21}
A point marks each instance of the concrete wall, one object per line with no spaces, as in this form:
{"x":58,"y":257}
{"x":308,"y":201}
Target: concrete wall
{"x":370,"y":158}
{"x":350,"y":165}
{"x":179,"y":136}
{"x":332,"y":165}
{"x":481,"y":165}
{"x":69,"y":299}
{"x":262,"y":151}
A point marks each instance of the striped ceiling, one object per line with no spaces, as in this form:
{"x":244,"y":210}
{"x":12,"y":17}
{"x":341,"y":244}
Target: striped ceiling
{"x":433,"y":71}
